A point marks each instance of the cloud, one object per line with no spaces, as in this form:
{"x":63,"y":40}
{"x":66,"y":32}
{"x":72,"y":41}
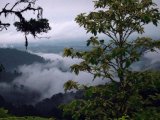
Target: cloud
{"x":68,"y":30}
{"x":62,"y":10}
{"x":49,"y":78}
{"x":61,"y":15}
{"x":153,"y":56}
{"x":150,"y":60}
{"x":39,"y":81}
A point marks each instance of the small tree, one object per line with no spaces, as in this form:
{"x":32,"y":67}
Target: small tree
{"x":111,"y":59}
{"x":33,"y":26}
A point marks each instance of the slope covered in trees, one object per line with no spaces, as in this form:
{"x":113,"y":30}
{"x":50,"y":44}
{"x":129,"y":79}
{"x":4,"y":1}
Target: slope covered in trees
{"x":143,"y":104}
{"x":12,"y":58}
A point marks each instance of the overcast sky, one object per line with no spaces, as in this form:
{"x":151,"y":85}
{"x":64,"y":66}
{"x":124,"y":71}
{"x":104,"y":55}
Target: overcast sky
{"x":61,"y":15}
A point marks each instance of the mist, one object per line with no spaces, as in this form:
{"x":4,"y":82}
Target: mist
{"x":153,"y":56}
{"x":42,"y":80}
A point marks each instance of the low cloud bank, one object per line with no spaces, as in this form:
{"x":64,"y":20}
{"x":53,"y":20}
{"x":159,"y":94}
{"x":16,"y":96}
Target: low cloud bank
{"x":153,"y":56}
{"x":39,"y":81}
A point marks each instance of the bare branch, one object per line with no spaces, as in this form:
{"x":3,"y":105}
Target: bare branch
{"x":4,"y":26}
{"x":41,"y":24}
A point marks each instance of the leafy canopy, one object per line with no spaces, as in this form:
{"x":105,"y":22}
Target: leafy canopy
{"x":111,"y":59}
{"x":118,"y":19}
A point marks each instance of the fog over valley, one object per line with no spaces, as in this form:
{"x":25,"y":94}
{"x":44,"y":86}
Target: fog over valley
{"x":37,"y":80}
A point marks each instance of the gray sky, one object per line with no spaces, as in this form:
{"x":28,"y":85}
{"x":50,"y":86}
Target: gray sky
{"x":61,"y":14}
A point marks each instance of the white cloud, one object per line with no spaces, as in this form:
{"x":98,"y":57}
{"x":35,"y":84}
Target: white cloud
{"x":49,"y":78}
{"x":38,"y":81}
{"x":67,"y":30}
{"x":153,"y":56}
{"x":61,"y":14}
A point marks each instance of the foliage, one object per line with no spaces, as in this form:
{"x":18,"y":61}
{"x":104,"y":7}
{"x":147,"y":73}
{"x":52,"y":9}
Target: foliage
{"x":32,"y":26}
{"x":140,"y":97}
{"x":70,"y":85}
{"x":5,"y":116}
{"x":111,"y":60}
{"x":26,"y":118}
{"x":148,"y":114}
{"x":124,"y":118}
{"x":3,"y":113}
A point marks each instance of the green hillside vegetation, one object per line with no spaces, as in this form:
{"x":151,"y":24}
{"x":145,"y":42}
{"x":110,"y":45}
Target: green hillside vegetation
{"x":26,"y":118}
{"x":5,"y":116}
{"x":12,"y":58}
{"x":140,"y":98}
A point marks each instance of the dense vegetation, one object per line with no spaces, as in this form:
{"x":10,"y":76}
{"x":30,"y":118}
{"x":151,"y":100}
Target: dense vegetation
{"x":12,"y":58}
{"x":143,"y":101}
{"x":5,"y":116}
{"x":48,"y":107}
{"x":140,"y":98}
{"x":129,"y":94}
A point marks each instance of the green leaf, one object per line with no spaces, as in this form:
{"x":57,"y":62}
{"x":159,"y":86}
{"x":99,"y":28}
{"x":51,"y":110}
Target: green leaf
{"x":70,"y":84}
{"x":155,"y":22}
{"x":128,"y":63}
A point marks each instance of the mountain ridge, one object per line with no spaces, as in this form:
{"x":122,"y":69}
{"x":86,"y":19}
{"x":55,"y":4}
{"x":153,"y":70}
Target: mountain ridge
{"x":12,"y":58}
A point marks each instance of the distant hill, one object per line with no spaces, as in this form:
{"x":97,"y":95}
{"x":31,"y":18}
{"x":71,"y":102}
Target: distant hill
{"x":12,"y":58}
{"x":154,"y":66}
{"x":48,"y":107}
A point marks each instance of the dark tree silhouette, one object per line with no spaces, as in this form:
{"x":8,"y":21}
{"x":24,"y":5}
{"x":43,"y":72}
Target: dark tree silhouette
{"x":33,"y":26}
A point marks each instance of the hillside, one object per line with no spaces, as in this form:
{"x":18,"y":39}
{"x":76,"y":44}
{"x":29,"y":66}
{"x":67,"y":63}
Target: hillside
{"x":45,"y":108}
{"x":12,"y":58}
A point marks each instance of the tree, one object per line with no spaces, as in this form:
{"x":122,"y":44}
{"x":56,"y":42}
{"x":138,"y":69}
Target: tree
{"x":3,"y":113}
{"x":111,"y":59}
{"x":33,"y":26}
